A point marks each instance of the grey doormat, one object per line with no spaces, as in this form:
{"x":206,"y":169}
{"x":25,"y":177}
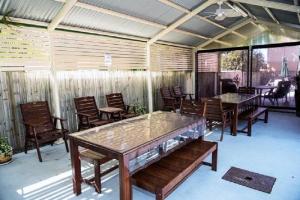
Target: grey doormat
{"x":250,"y":179}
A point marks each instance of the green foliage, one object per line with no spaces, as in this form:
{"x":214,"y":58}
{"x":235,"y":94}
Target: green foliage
{"x":233,"y":60}
{"x":139,"y":108}
{"x":5,"y":148}
{"x":237,"y":60}
{"x":6,"y":20}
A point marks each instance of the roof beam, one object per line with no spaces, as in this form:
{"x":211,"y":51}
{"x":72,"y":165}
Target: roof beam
{"x":131,"y":18}
{"x":181,"y":21}
{"x":271,"y":15}
{"x":61,"y":14}
{"x":239,"y":25}
{"x":296,"y":3}
{"x":183,"y":9}
{"x":271,"y":4}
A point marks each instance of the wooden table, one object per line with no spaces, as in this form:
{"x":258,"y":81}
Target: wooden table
{"x":127,"y":139}
{"x":235,"y":100}
{"x":111,"y":111}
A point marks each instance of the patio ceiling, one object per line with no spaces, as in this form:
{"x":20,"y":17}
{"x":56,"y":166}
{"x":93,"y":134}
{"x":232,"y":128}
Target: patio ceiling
{"x":176,"y":21}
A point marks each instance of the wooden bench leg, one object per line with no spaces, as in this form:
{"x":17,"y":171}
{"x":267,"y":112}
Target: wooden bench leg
{"x":97,"y":176}
{"x":249,"y":127}
{"x":214,"y":160}
{"x":266,"y":116}
{"x":159,"y":196}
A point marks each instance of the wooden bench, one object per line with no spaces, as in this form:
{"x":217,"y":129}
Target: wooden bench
{"x":251,"y":116}
{"x":163,"y":176}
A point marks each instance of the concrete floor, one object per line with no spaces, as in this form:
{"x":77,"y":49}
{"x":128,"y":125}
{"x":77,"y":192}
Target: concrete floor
{"x":274,"y":150}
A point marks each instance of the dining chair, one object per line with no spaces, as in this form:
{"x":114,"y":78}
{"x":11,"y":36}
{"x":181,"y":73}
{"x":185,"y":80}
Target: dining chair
{"x":215,"y":114}
{"x":41,"y":127}
{"x":88,"y":113}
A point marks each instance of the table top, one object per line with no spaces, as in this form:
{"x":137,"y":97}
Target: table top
{"x":125,"y":136}
{"x":110,"y":110}
{"x":236,"y":98}
{"x":265,"y":87}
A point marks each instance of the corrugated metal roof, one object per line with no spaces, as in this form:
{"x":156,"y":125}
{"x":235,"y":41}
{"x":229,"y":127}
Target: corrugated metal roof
{"x":40,"y":10}
{"x":189,"y":4}
{"x":151,"y":10}
{"x":198,"y":26}
{"x":182,"y":39}
{"x":80,"y":17}
{"x":145,"y":9}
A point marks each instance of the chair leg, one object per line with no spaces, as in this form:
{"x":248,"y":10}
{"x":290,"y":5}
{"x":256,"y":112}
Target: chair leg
{"x":266,"y":116}
{"x":66,"y":143}
{"x":223,"y":127}
{"x":25,"y":145}
{"x":38,"y":149}
{"x":249,"y":127}
{"x":97,"y":171}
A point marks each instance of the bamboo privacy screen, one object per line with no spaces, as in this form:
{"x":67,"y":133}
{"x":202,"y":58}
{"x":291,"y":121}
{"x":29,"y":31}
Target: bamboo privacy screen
{"x":78,"y":69}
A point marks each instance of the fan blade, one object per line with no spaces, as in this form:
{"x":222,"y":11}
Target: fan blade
{"x":208,"y":16}
{"x":231,"y":13}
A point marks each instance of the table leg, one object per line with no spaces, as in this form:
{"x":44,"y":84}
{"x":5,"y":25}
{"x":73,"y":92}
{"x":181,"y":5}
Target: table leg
{"x":76,"y":167}
{"x":235,"y":119}
{"x":125,"y":181}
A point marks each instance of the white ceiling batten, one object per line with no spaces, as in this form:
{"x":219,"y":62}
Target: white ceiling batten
{"x":296,"y":3}
{"x":181,"y":21}
{"x":61,"y":14}
{"x":271,"y":15}
{"x":131,"y":18}
{"x":271,"y":4}
{"x":89,"y":31}
{"x":182,"y":9}
{"x":239,"y":25}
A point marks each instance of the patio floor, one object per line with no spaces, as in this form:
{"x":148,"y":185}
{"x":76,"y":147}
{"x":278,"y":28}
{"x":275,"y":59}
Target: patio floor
{"x":273,"y":150}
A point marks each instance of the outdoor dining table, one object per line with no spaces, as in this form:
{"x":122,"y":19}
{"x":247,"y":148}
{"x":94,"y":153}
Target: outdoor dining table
{"x":236,"y":100}
{"x":126,"y":140}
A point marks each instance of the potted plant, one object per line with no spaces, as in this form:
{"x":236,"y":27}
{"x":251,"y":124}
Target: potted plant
{"x":139,"y":108}
{"x":5,"y":151}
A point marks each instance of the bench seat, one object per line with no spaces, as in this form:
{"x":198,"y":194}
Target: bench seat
{"x":252,"y":115}
{"x":163,"y":176}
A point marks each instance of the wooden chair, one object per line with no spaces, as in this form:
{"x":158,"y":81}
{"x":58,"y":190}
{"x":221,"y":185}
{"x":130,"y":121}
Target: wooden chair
{"x":40,"y":126}
{"x":88,"y":113}
{"x":246,"y":90}
{"x":214,"y":113}
{"x":177,"y":90}
{"x":116,"y":100}
{"x":97,"y":160}
{"x":170,"y":102}
{"x":189,"y":107}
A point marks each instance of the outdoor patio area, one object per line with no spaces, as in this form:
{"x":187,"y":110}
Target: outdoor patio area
{"x":149,"y":99}
{"x":273,"y":150}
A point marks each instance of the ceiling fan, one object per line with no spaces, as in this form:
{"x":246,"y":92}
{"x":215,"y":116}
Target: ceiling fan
{"x":222,"y":13}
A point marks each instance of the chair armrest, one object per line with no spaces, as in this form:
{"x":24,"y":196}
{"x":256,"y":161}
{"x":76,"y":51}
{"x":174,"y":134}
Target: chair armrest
{"x":33,"y":125}
{"x":83,"y":114}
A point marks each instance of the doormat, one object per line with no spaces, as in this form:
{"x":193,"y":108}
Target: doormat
{"x":250,"y":179}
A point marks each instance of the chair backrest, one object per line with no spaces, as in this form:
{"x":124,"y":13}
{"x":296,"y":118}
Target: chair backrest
{"x":283,"y":89}
{"x":213,"y":109}
{"x":228,"y":86}
{"x":189,"y":107}
{"x":177,"y":91}
{"x":115,"y":100}
{"x":246,"y":90}
{"x":37,"y":113}
{"x":87,"y":105}
{"x":165,"y":92}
